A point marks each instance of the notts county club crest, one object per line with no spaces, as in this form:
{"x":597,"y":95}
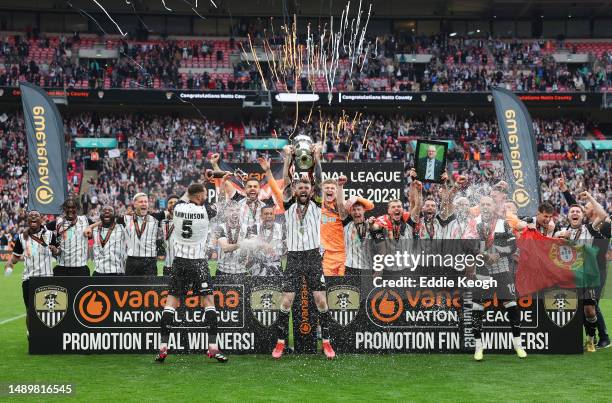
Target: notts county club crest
{"x":265,"y":304}
{"x":560,"y":305}
{"x":343,"y":302}
{"x":51,"y":304}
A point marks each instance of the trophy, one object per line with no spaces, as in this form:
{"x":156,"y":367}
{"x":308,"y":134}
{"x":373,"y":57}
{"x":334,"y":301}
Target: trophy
{"x":303,"y":154}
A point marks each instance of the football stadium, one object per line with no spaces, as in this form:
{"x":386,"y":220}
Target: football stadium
{"x":285,"y":200}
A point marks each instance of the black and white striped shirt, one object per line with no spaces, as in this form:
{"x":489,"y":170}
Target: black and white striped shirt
{"x":73,"y":243}
{"x":191,"y":223}
{"x":437,"y":228}
{"x":109,"y":249}
{"x":233,"y":262}
{"x":581,"y":235}
{"x":167,"y":232}
{"x":303,"y":231}
{"x":499,"y":239}
{"x":250,"y":212}
{"x":36,"y":253}
{"x":142,"y":234}
{"x":356,"y":237}
{"x":464,"y":228}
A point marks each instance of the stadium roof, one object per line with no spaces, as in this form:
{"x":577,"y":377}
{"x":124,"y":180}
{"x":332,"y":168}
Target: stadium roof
{"x":471,"y":9}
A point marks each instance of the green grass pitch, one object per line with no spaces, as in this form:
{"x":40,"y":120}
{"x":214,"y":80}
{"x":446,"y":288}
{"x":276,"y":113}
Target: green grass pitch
{"x":414,"y":377}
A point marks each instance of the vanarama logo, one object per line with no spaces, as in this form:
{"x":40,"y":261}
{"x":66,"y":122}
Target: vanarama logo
{"x":44,"y":193}
{"x":304,"y":326}
{"x":409,"y":308}
{"x":94,"y":306}
{"x":387,"y":306}
{"x":520,"y":195}
{"x":140,"y":306}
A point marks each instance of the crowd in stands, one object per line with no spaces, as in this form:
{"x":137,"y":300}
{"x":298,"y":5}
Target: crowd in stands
{"x":457,"y":65}
{"x":161,"y":154}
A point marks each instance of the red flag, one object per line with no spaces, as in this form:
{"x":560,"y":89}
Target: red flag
{"x":545,"y":262}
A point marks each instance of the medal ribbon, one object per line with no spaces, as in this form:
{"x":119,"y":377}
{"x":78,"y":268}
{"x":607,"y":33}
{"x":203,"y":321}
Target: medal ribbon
{"x":62,"y":232}
{"x":301,"y":213}
{"x":169,"y":229}
{"x":231,"y":238}
{"x":490,"y":235}
{"x":139,"y":230}
{"x":104,"y":240}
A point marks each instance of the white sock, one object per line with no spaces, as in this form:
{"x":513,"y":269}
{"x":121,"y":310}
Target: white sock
{"x":479,"y":345}
{"x":280,"y":341}
{"x":517,"y":342}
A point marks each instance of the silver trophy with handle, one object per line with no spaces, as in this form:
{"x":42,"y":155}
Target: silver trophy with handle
{"x":304,"y":160}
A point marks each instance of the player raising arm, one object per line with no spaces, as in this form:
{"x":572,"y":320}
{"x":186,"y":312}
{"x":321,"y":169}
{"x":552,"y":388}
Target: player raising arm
{"x":303,"y":220}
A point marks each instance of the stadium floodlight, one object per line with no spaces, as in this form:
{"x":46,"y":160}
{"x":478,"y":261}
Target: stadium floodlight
{"x":452,"y":34}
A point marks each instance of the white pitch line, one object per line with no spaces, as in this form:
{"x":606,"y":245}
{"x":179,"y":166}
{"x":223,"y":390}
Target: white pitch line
{"x":12,"y":319}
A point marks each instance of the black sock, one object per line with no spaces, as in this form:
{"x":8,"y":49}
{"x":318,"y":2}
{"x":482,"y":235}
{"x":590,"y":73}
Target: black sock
{"x":282,"y":325}
{"x":324,"y":319}
{"x":601,"y":325}
{"x":590,"y":324}
{"x":210,"y":320}
{"x":167,"y":320}
{"x":515,"y":320}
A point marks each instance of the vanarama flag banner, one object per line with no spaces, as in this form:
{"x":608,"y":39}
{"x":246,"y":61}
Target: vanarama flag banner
{"x":519,"y":151}
{"x":546,"y":262}
{"x":47,"y":159}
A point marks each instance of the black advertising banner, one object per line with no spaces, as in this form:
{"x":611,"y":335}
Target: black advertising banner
{"x":47,"y":160}
{"x":438,"y":320}
{"x":122,"y":315}
{"x":341,"y":99}
{"x":96,"y":315}
{"x":519,"y":151}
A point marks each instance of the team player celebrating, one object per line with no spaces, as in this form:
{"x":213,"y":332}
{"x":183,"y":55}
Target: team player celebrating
{"x":590,"y":224}
{"x":497,"y":244}
{"x":303,"y":223}
{"x":266,"y":260}
{"x":109,"y":241}
{"x":333,"y":213}
{"x":142,"y":232}
{"x":73,"y":243}
{"x":37,"y":247}
{"x":190,"y":270}
{"x":356,"y":230}
{"x":250,"y":204}
{"x":230,"y":264}
{"x":167,"y":229}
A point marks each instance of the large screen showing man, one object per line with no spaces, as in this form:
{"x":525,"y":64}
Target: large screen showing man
{"x":430,"y":159}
